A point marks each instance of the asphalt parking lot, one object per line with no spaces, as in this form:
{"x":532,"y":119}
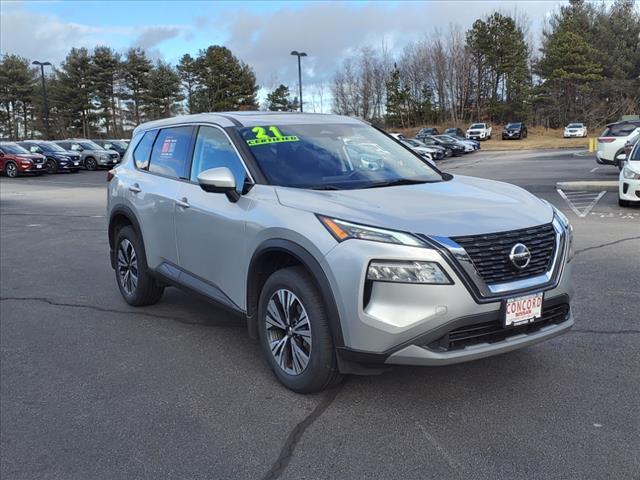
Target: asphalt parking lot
{"x":91,"y":388}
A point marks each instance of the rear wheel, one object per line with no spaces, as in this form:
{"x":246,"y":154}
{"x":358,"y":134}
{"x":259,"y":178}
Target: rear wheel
{"x":11,"y":170}
{"x":136,"y":285}
{"x":294,"y":332}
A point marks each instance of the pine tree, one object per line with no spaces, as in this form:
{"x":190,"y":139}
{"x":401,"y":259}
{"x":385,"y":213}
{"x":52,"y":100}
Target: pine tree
{"x":187,"y":69}
{"x":72,"y":96}
{"x":17,"y":87}
{"x":162,"y":98}
{"x":225,"y":82}
{"x":280,"y":101}
{"x":105,"y":73}
{"x":136,"y":78}
{"x":397,"y":97}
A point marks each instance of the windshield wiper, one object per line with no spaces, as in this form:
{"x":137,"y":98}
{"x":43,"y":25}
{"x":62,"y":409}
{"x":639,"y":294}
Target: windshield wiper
{"x":325,"y":187}
{"x":400,"y":181}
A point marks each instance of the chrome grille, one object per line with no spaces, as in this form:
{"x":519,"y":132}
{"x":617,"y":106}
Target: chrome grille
{"x":490,"y":253}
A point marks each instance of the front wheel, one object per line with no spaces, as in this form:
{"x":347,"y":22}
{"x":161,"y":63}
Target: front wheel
{"x":52,"y":167}
{"x":91,"y":164}
{"x":11,"y":170}
{"x":294,"y":332}
{"x":136,"y":285}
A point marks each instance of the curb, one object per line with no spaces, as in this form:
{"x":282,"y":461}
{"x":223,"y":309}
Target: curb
{"x":591,"y":186}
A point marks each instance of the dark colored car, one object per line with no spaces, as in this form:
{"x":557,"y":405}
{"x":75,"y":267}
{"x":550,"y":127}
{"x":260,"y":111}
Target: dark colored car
{"x":426,"y":132}
{"x":15,"y":160}
{"x":119,"y":146}
{"x":57,"y":158}
{"x":460,"y":135}
{"x":456,"y":148}
{"x":515,"y":130}
{"x":431,"y":142}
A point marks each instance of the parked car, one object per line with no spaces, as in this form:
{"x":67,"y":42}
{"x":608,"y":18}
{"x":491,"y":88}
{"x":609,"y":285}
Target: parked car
{"x":427,"y":132}
{"x":629,"y":184}
{"x":15,"y":160}
{"x":467,"y":145}
{"x":575,"y":130}
{"x":334,"y":262}
{"x":456,"y":147}
{"x":436,"y":153}
{"x":517,"y":130}
{"x":479,"y":131}
{"x":119,"y":146}
{"x":432,"y":143}
{"x":458,"y":134}
{"x":92,"y":156}
{"x":612,"y":141}
{"x":57,"y":158}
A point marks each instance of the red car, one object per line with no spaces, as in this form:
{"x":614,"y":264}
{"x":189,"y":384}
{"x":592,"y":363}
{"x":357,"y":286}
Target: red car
{"x":15,"y":160}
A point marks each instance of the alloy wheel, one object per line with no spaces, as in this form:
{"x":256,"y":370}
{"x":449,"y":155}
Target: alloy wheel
{"x":51,"y":166}
{"x":11,"y":170}
{"x":91,"y":164}
{"x":127,"y":266}
{"x":288,"y":332}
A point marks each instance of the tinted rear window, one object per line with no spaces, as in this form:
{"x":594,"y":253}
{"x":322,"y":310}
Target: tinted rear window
{"x":143,"y":150}
{"x":619,"y":130}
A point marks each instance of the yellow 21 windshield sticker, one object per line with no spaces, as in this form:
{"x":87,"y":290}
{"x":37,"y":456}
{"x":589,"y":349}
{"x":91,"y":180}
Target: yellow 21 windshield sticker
{"x":262,"y":138}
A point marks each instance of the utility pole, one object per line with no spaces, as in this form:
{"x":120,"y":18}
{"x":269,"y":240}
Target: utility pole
{"x":44,"y":96}
{"x":299,"y":54}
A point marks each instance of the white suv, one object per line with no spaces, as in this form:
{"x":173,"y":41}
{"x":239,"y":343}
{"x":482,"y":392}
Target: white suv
{"x":611,"y":142}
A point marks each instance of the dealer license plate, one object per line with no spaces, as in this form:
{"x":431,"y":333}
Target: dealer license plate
{"x":522,"y":310}
{"x":38,"y":166}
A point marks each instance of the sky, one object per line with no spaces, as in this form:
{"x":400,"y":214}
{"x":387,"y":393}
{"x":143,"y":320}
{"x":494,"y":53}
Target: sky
{"x":261,"y":34}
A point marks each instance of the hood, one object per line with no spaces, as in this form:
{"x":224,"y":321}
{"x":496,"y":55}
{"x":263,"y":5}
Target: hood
{"x":461,"y":206}
{"x":31,"y":156}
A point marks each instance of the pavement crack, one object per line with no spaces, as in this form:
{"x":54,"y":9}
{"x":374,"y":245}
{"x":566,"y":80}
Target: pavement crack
{"x":120,"y":312}
{"x":281,"y":463}
{"x":608,"y":244}
{"x":605,"y":332}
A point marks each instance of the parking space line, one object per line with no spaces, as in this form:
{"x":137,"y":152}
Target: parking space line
{"x":580,"y":204}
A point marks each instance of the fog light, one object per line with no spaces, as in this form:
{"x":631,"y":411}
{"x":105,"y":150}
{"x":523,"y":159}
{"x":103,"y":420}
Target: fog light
{"x":407,"y":272}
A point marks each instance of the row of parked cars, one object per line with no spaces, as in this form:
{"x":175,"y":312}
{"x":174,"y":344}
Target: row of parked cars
{"x":40,"y":156}
{"x":437,"y":147}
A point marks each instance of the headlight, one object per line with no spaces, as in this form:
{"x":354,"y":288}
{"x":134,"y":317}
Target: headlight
{"x":630,"y":174}
{"x":568,"y":228}
{"x":407,"y":272}
{"x":342,"y":230}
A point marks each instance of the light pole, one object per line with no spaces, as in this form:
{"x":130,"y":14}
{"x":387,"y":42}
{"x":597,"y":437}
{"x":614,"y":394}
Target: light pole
{"x":299,"y":54}
{"x":44,"y":96}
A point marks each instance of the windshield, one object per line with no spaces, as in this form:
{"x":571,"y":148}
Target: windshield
{"x":116,"y":143}
{"x":477,"y":125}
{"x":574,"y":125}
{"x":447,"y":139}
{"x":90,"y":146}
{"x":413,"y":143}
{"x":333,"y":157}
{"x":51,"y":147}
{"x":428,"y":141}
{"x":513,"y":125}
{"x":13,"y":148}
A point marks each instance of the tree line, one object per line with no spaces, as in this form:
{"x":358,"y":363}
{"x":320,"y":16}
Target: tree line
{"x":586,"y":69}
{"x":102,"y":93}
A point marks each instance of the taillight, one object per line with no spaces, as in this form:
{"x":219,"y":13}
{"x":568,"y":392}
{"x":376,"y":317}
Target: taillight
{"x":606,"y":139}
{"x":110,"y":174}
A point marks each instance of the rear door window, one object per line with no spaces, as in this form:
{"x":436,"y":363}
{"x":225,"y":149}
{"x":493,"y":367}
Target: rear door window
{"x":171,"y":152}
{"x":619,"y":130}
{"x":142,"y":151}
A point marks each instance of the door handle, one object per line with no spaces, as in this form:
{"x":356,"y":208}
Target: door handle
{"x":135,"y":188}
{"x":183,"y":202}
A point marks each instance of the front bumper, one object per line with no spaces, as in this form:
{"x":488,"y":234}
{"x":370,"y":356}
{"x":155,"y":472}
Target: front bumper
{"x":574,"y":135}
{"x":396,"y":323}
{"x":629,"y":190}
{"x":107,"y":162}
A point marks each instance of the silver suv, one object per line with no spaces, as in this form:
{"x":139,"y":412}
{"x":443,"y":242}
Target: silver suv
{"x":92,"y":155}
{"x":340,"y":261}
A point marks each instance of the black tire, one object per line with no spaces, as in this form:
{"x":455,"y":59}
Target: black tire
{"x":52,"y":166}
{"x":624,"y":203}
{"x":147,"y":291}
{"x":90,"y":163}
{"x":11,"y":169}
{"x":321,"y":371}
{"x":75,"y":170}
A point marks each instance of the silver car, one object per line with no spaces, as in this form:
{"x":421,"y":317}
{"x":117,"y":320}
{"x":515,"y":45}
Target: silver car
{"x":340,"y":261}
{"x":92,"y":155}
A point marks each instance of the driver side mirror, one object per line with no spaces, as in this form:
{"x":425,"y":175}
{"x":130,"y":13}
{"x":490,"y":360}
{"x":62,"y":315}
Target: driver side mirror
{"x":219,"y":180}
